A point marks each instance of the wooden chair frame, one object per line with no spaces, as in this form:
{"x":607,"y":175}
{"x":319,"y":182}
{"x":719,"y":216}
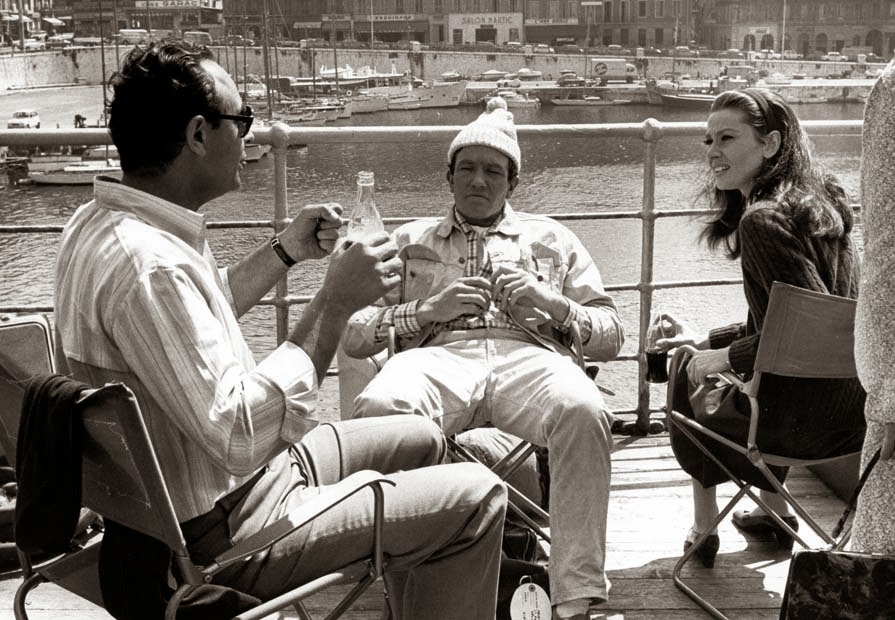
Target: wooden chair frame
{"x":806,"y":334}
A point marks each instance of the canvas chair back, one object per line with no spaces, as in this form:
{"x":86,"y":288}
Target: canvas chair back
{"x":26,"y":351}
{"x":807,"y":334}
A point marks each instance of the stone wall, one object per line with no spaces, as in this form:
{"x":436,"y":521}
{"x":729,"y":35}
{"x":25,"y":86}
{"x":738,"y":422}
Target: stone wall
{"x":36,"y":69}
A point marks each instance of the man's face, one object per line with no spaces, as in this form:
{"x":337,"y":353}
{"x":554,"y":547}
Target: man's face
{"x":226,"y":152}
{"x":480,"y":183}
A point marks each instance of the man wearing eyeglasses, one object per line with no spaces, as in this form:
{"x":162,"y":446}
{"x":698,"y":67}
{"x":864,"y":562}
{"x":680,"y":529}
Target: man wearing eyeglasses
{"x":140,"y":299}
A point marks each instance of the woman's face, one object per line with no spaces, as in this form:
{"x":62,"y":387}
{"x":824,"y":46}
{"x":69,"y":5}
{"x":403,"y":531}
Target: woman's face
{"x":736,"y":150}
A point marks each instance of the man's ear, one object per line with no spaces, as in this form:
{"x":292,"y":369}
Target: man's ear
{"x":512,"y":183}
{"x":450,"y":179}
{"x":196,"y":134}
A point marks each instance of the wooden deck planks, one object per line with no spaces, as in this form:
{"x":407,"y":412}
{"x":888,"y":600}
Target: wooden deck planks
{"x":649,"y":513}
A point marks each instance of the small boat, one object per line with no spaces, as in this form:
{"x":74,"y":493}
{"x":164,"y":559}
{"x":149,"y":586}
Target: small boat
{"x":516,"y":99}
{"x":109,"y":151}
{"x":435,"y":95}
{"x":450,"y":76}
{"x":589,"y":101}
{"x":80,"y":173}
{"x":254,"y":151}
{"x":668,"y":93}
{"x":50,"y":162}
{"x":366,"y":103}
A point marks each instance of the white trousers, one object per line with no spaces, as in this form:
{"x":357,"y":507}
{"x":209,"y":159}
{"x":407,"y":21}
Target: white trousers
{"x":535,"y":394}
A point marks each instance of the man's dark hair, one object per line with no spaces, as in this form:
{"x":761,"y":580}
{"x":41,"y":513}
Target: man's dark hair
{"x":158,"y":89}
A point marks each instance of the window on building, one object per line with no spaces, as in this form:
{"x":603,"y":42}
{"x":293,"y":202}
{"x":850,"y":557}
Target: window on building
{"x":399,"y":6}
{"x":676,"y":8}
{"x":641,"y":8}
{"x":641,"y":37}
{"x":623,"y":11}
{"x":607,"y":11}
{"x":659,"y":38}
{"x":624,"y":36}
{"x":439,"y":7}
{"x":457,"y":36}
{"x":660,"y":8}
{"x":514,"y":34}
{"x":892,"y":9}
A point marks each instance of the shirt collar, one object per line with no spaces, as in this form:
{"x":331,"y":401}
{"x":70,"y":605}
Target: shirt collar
{"x":508,"y":224}
{"x":179,"y":221}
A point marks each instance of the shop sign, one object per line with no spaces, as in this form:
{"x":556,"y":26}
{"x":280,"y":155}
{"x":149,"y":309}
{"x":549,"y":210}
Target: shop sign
{"x":337,"y":17}
{"x":177,"y":4}
{"x":393,"y":18}
{"x":487,"y":19}
{"x":552,"y":21}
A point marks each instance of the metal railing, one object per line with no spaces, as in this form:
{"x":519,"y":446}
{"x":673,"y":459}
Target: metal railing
{"x":282,"y":136}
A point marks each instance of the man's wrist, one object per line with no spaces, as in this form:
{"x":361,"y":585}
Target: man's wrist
{"x":281,"y":252}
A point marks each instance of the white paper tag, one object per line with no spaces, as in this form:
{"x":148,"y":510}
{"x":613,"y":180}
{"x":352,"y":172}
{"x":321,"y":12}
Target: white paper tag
{"x":530,"y":602}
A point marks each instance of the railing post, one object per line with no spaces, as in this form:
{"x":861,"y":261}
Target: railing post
{"x":652,"y":133}
{"x":280,"y":141}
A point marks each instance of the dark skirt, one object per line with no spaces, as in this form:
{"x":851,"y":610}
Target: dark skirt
{"x":800,"y":418}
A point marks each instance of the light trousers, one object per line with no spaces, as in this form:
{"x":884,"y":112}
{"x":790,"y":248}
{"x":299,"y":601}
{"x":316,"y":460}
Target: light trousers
{"x":539,"y":396}
{"x":443,"y":522}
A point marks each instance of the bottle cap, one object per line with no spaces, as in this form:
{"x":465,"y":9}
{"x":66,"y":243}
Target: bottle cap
{"x":365,"y":177}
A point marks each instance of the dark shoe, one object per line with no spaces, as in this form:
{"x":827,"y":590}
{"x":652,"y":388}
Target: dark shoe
{"x":748,"y":522}
{"x":707,"y":550}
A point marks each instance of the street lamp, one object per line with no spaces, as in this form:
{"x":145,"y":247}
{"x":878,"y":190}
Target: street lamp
{"x":371,"y":25}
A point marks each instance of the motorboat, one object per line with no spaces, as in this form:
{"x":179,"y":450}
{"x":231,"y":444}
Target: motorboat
{"x":254,"y":151}
{"x":79,"y":173}
{"x":668,"y":93}
{"x":591,"y":100}
{"x":434,"y":95}
{"x":516,"y":99}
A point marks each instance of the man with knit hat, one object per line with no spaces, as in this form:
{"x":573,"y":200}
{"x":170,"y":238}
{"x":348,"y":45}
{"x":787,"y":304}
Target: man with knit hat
{"x":483,"y":322}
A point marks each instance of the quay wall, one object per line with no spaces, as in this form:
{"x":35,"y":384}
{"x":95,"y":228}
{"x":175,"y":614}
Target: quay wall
{"x":84,"y":65}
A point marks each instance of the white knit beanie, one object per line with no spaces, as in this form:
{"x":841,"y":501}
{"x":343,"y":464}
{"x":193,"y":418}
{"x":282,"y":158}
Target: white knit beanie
{"x":494,"y":127}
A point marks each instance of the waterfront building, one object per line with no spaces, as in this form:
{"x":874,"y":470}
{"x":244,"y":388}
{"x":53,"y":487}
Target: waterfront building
{"x":810,"y":28}
{"x":159,"y":17}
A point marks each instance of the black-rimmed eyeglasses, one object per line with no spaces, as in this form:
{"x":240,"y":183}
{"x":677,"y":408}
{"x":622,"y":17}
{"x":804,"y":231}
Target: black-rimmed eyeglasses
{"x":244,"y":120}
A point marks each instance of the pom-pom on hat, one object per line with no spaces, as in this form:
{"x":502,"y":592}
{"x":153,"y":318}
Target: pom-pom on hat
{"x":494,"y":127}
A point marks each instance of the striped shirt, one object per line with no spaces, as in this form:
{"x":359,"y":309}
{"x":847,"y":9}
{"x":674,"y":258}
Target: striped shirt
{"x":139,"y":299}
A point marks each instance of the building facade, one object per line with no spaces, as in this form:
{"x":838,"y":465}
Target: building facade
{"x":583,"y":22}
{"x":808,"y":27}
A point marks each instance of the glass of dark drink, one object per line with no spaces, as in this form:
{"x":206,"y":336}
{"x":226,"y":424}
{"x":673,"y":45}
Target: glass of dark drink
{"x":657,"y":366}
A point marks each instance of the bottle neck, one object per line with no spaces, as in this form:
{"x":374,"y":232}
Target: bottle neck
{"x":364,"y":193}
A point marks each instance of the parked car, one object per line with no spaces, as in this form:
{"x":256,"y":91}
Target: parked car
{"x":871,"y":57}
{"x":24,"y":119}
{"x":543,"y":48}
{"x":237,"y":40}
{"x":31,"y":45}
{"x":59,"y":41}
{"x":833,"y":57}
{"x":570,"y":48}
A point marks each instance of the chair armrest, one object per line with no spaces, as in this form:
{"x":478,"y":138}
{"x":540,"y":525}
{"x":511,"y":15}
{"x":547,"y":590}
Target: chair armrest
{"x":307,"y":512}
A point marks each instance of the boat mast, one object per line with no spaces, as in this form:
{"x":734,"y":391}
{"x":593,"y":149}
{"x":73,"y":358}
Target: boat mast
{"x":266,"y":52}
{"x":783,"y":31}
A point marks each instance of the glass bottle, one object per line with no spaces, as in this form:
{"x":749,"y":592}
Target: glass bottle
{"x":364,"y":218}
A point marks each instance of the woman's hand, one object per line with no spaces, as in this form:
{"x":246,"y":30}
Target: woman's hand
{"x":681,"y":334}
{"x":705,"y":363}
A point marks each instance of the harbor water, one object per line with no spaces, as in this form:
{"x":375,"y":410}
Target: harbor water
{"x":557,"y":176}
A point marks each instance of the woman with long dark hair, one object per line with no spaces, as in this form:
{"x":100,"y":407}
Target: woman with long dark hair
{"x":787,"y":221}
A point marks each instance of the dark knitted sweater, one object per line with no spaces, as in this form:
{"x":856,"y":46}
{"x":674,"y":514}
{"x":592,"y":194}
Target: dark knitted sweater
{"x":773,"y":249}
